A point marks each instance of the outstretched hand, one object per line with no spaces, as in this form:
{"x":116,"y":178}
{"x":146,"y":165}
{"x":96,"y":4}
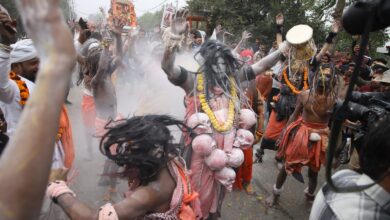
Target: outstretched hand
{"x":117,"y":25}
{"x":179,"y":22}
{"x":246,"y":35}
{"x":48,"y":30}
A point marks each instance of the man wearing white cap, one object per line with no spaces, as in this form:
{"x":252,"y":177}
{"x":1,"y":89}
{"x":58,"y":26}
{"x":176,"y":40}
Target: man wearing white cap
{"x":19,"y":66}
{"x":18,"y":70}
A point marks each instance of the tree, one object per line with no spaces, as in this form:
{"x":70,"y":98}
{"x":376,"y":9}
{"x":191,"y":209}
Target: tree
{"x":149,"y":20}
{"x":256,"y":16}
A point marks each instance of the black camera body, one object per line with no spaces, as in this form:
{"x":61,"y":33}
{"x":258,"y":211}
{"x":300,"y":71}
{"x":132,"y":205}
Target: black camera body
{"x":355,"y":17}
{"x":367,"y":107}
{"x":363,"y":110}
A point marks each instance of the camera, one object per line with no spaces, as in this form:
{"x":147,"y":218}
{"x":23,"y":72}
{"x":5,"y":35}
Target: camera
{"x":363,"y":110}
{"x":366,"y":107}
{"x":355,"y":16}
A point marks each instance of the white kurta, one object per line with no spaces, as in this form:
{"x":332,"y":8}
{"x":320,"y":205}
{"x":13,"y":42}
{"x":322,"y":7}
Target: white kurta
{"x":9,"y":103}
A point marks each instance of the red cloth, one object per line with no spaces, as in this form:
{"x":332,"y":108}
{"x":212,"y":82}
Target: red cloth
{"x":244,"y":172}
{"x":366,"y":88}
{"x":274,"y":127}
{"x":66,"y":138}
{"x":264,"y":85}
{"x":88,"y":112}
{"x":298,"y":150}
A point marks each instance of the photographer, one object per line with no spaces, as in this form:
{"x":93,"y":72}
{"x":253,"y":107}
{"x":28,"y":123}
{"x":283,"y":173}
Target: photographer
{"x":378,"y":67}
{"x":371,"y":203}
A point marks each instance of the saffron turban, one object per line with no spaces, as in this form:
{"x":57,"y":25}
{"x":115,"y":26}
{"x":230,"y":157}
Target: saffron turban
{"x":22,"y":51}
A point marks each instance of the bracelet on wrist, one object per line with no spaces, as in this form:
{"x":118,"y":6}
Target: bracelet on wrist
{"x":330,"y":37}
{"x":279,"y":28}
{"x":55,"y":199}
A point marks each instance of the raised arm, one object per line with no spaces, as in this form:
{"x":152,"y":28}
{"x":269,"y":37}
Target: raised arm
{"x":103,"y":88}
{"x":329,"y":39}
{"x":270,"y":60}
{"x":245,"y":36}
{"x":7,"y":37}
{"x":117,"y":32}
{"x":279,"y":28}
{"x":30,"y":151}
{"x":173,"y":38}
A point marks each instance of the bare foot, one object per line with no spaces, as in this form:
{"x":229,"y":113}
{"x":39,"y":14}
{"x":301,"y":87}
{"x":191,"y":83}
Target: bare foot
{"x":309,"y":197}
{"x":271,"y":200}
{"x":249,"y":189}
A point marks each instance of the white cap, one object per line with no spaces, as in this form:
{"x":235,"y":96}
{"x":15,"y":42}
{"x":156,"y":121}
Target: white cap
{"x":22,"y":51}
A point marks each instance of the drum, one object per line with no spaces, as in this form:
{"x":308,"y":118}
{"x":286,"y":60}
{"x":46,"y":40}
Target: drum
{"x":303,"y":46}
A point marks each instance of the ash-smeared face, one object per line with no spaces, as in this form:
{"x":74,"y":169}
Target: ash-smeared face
{"x":324,"y":79}
{"x":220,"y":66}
{"x":220,"y":71}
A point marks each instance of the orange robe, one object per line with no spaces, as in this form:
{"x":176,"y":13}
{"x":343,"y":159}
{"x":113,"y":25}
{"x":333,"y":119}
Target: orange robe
{"x":88,"y":112}
{"x":274,"y":127}
{"x":263,"y":86}
{"x":298,"y":150}
{"x":66,"y":138}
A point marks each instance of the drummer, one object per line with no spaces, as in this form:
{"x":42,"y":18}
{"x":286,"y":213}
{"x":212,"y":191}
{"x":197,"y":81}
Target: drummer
{"x":304,"y":140}
{"x":297,"y":72}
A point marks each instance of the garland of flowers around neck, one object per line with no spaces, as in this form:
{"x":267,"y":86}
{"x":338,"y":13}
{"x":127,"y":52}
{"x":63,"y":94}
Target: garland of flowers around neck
{"x":23,"y":89}
{"x":220,"y":127}
{"x":291,"y":86}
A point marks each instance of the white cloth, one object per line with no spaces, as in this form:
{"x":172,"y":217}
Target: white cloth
{"x":10,"y":94}
{"x":371,"y":203}
{"x":58,"y":156}
{"x":23,"y":50}
{"x":9,"y":103}
{"x":13,"y":110}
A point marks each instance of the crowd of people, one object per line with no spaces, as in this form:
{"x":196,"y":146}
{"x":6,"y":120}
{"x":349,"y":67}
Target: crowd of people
{"x":240,"y":95}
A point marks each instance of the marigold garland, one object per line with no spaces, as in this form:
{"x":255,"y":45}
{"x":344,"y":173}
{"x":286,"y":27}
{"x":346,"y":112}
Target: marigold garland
{"x":25,"y":94}
{"x":59,"y":134}
{"x":291,"y":86}
{"x":23,"y":89}
{"x":220,"y":127}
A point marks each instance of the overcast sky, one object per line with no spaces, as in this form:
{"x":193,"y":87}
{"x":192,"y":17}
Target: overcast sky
{"x":85,"y":7}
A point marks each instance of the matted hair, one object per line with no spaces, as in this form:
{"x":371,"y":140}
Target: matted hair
{"x":142,"y":144}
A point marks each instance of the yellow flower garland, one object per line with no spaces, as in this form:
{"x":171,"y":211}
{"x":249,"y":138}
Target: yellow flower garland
{"x":220,"y":127}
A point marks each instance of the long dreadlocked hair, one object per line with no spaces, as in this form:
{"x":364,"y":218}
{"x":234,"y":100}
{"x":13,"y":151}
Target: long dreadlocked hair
{"x":210,"y":52}
{"x":332,"y":93}
{"x":92,"y":60}
{"x":143,"y":144}
{"x":84,"y":51}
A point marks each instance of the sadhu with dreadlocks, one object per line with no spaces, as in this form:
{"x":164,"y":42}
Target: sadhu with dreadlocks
{"x":157,"y":177}
{"x":214,"y":97}
{"x":304,"y":141}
